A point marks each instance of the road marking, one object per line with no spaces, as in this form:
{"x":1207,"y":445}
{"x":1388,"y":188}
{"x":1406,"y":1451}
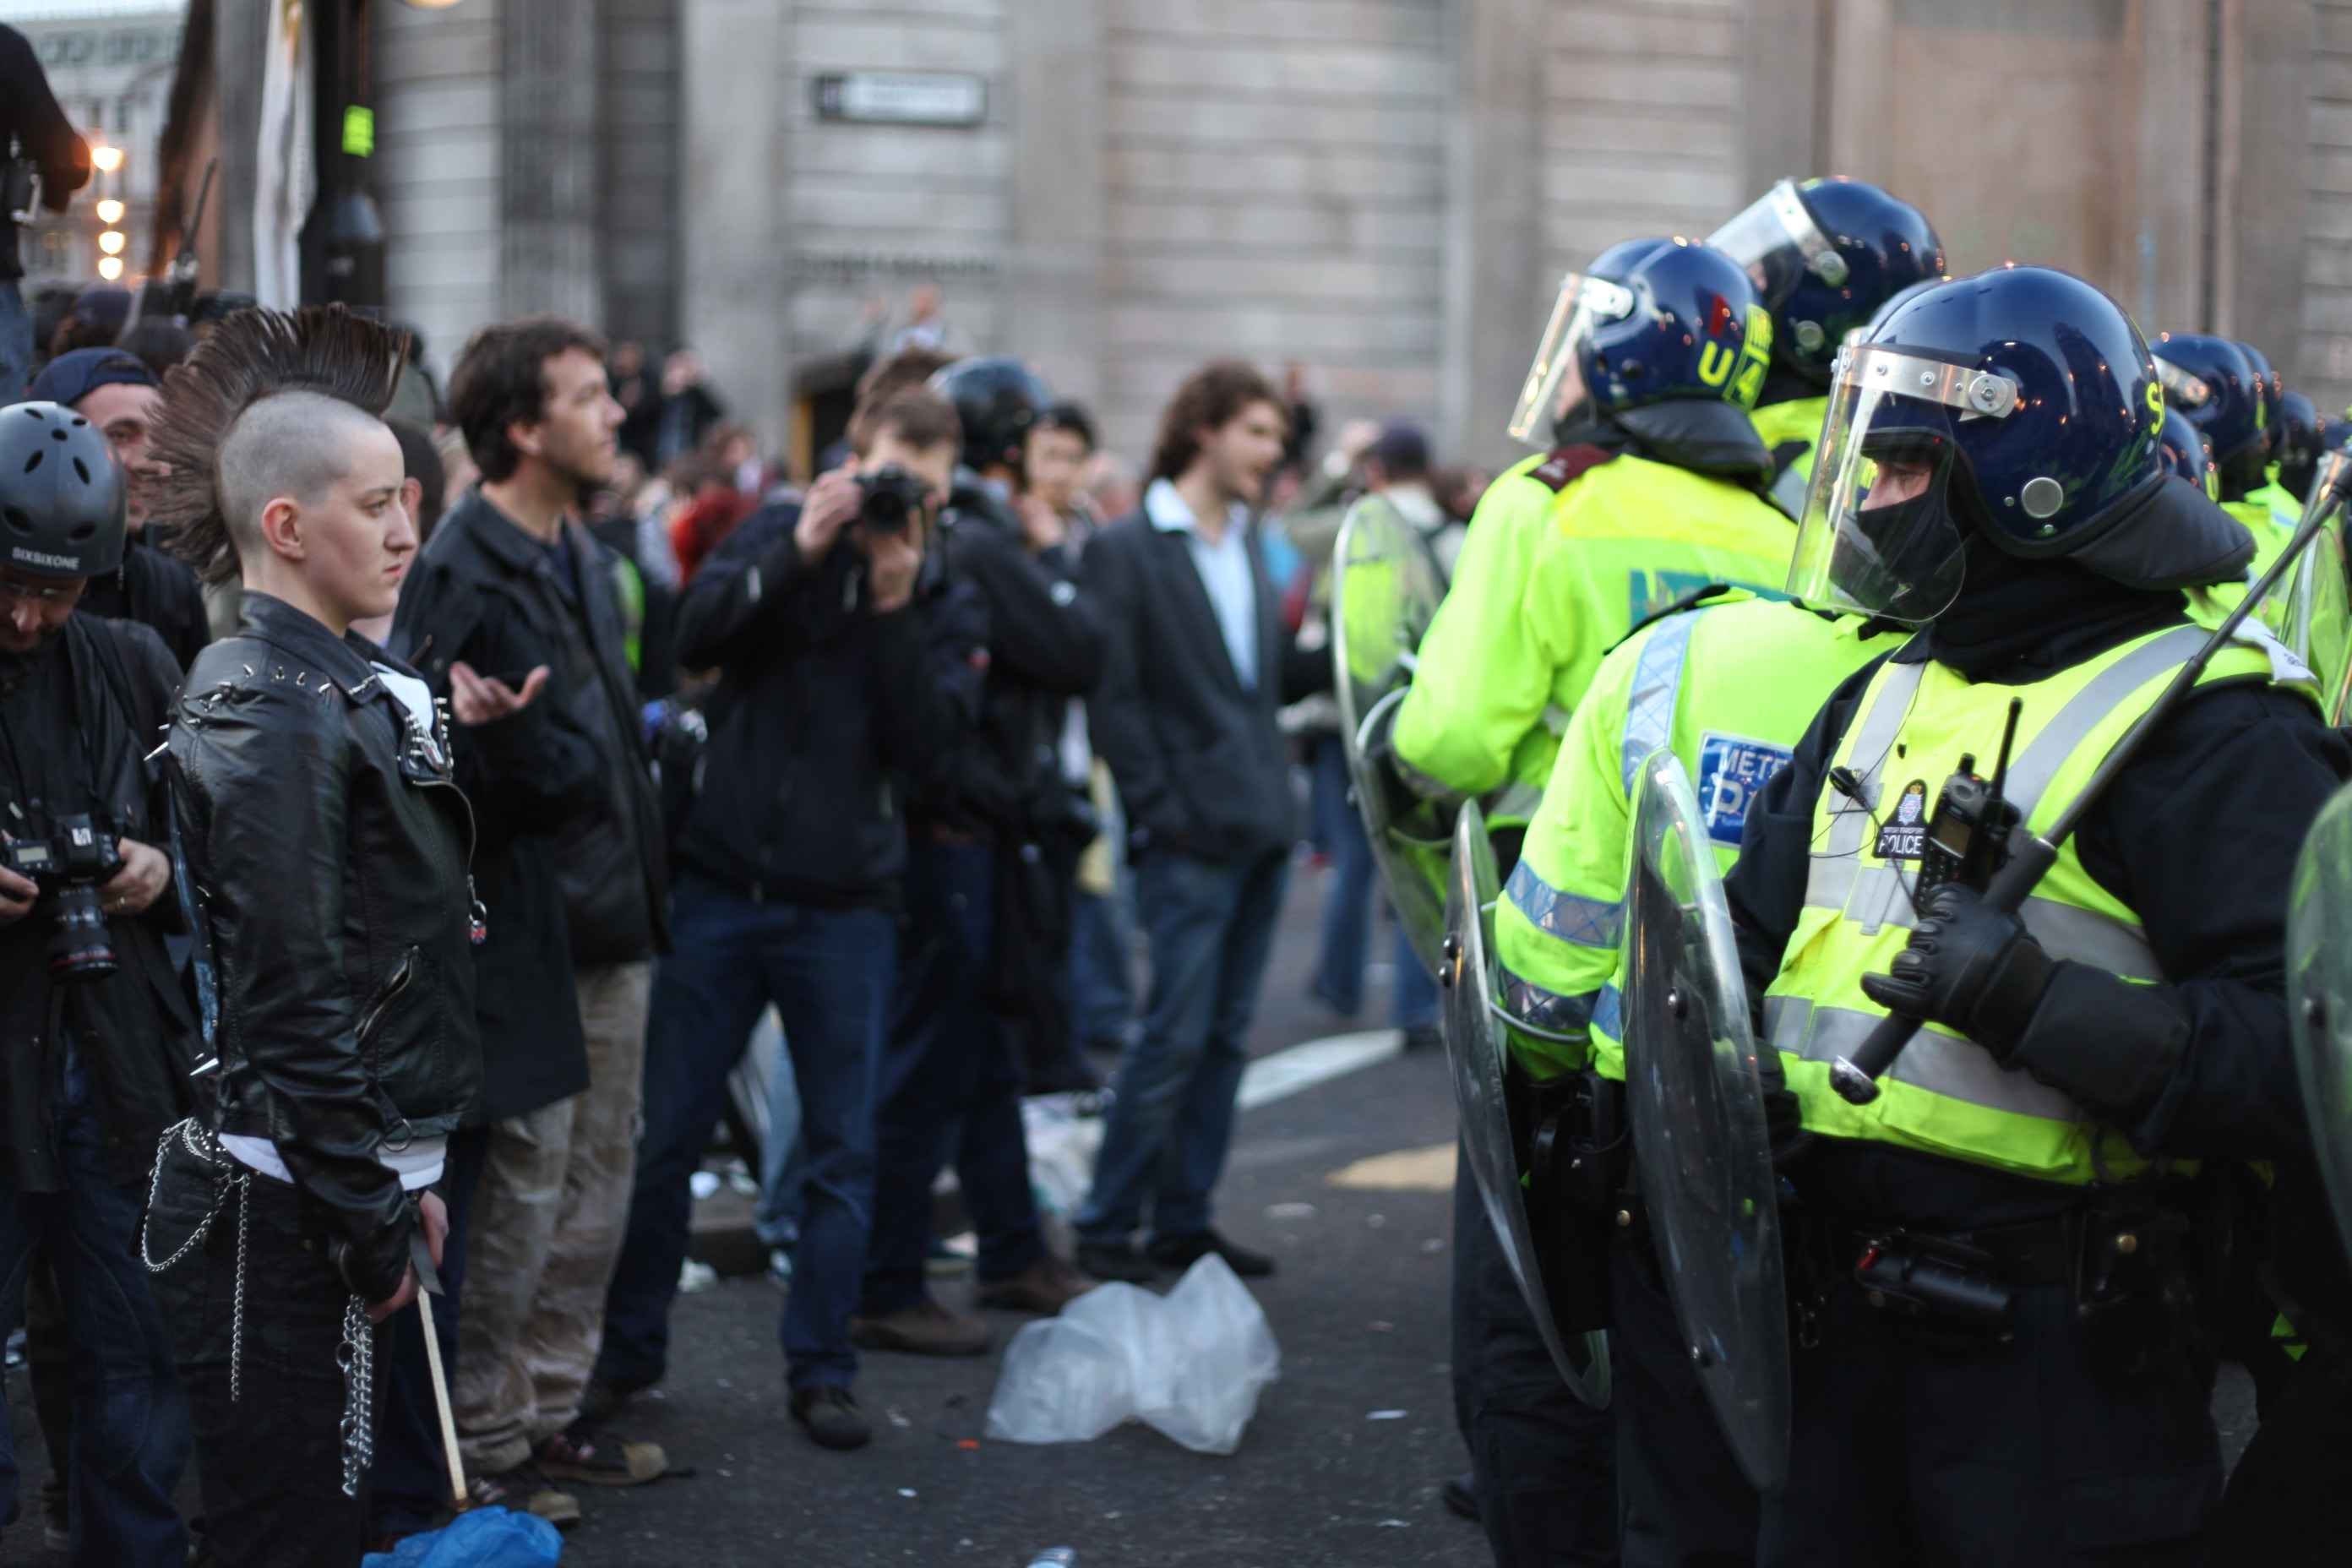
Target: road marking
{"x":1302,"y":1066}
{"x":1429,"y":1169}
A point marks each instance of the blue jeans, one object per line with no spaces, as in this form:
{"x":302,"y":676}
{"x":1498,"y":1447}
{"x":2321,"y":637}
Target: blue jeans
{"x":1102,"y":992}
{"x":828,"y":974}
{"x":1348,"y":903}
{"x":131,"y":1428}
{"x":1171,"y":1119}
{"x":947,"y":1074}
{"x":15,"y":342}
{"x":777,"y":1222}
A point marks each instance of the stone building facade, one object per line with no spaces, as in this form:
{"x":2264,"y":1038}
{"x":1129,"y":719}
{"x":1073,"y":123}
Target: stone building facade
{"x":1384,"y":191}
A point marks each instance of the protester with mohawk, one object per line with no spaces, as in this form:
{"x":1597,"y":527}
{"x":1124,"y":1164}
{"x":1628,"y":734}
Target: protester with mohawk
{"x":322,"y":855}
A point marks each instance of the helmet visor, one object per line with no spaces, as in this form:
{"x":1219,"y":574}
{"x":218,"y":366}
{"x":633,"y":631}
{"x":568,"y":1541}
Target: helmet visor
{"x":1778,"y":242}
{"x":2182,"y":390}
{"x":1554,"y":383}
{"x":1880,"y":535}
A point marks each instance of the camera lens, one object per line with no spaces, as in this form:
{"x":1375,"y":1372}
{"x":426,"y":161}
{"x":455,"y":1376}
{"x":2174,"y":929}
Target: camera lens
{"x":81,"y":948}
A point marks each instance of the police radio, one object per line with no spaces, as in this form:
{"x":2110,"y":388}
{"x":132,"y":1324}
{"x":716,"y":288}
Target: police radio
{"x":1967,"y":838}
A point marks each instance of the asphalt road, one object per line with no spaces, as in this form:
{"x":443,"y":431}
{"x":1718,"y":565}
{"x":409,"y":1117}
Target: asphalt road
{"x":1344,"y":1182}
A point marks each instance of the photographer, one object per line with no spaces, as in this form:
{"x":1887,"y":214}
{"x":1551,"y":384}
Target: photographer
{"x":99,"y":1038}
{"x":44,"y":145}
{"x":792,"y":857}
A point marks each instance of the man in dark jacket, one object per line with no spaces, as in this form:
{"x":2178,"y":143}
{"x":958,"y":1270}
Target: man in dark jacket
{"x":791,"y":859}
{"x":322,"y":849}
{"x":98,"y":1038}
{"x":1199,"y":664}
{"x":511,"y":584}
{"x":45,"y":140}
{"x":116,"y":392}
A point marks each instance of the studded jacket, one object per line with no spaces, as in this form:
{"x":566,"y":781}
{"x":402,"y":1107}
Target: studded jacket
{"x":324,"y":849}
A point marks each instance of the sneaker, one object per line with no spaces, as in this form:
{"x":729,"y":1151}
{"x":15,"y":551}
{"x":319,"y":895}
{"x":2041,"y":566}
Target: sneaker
{"x":1178,"y":1253}
{"x":605,"y":1459}
{"x":830,"y":1416}
{"x":925,"y":1328}
{"x":1045,"y":1286}
{"x":525,"y":1490}
{"x":1461,"y":1495}
{"x":944,"y":1262}
{"x":1116,"y":1261}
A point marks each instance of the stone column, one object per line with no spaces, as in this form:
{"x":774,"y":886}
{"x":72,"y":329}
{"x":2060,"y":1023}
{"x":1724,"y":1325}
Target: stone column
{"x":1054,"y":53}
{"x":549,"y":255}
{"x":2266,"y":50}
{"x":1496,"y":285}
{"x":1785,"y":92}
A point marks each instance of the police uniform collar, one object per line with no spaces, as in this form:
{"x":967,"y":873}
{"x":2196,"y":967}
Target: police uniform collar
{"x":2167,"y":534}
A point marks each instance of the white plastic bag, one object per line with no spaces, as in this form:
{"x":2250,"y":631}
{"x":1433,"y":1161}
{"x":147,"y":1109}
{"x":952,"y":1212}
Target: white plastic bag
{"x":1189,"y":1363}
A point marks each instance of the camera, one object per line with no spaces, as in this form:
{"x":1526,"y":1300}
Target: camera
{"x":891,"y":499}
{"x":69,"y":866}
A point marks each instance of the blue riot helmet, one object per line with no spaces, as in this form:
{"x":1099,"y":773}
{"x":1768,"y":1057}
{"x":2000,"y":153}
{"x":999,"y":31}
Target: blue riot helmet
{"x":1650,"y":322}
{"x":2017,"y":410}
{"x":2305,"y":435}
{"x":2271,"y":389}
{"x":996,"y":399}
{"x":2185,"y":455}
{"x":2211,"y":380}
{"x":1825,"y":256}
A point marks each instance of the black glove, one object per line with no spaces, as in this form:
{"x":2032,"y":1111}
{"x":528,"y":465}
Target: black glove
{"x":1784,"y":1119}
{"x":1968,"y":967}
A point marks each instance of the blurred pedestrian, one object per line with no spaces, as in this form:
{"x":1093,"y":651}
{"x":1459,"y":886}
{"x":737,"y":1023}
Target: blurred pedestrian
{"x":672,"y":423}
{"x":792,"y":857}
{"x":513,"y":583}
{"x":99,"y":315}
{"x":47,"y":147}
{"x":157,"y":341}
{"x":116,"y":392}
{"x":1197,"y":664}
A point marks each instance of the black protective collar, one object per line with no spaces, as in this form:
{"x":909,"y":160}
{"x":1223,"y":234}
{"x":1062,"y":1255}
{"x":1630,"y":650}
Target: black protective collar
{"x":1705,"y":438}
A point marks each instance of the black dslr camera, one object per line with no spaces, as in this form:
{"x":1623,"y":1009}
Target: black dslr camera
{"x":69,"y":866}
{"x":891,"y":499}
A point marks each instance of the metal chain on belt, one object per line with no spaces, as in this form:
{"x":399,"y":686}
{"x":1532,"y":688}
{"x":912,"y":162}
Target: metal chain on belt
{"x":357,"y":1358}
{"x":209,"y":1150}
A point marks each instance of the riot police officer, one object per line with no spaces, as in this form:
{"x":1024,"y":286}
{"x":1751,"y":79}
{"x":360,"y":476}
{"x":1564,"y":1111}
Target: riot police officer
{"x":1825,"y":257}
{"x":2211,"y":381}
{"x":1991,"y":1258}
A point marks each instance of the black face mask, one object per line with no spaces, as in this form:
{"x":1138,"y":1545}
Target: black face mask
{"x":2031,"y":617}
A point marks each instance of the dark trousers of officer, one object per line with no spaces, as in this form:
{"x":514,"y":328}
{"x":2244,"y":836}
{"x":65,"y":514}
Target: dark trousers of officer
{"x":948,"y":1065}
{"x":2051,"y":1451}
{"x":2289,"y":1504}
{"x":1687,"y":1504}
{"x":1545,"y":1462}
{"x":270,"y":1459}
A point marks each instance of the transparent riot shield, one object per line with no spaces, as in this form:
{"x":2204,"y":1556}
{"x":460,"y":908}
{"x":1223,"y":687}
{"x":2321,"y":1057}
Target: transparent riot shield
{"x":1697,"y":1109}
{"x":1384,"y":592}
{"x":2319,"y":1005}
{"x":1497,"y":1117}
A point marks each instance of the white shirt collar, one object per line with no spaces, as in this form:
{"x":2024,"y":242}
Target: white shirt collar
{"x":1164,"y":505}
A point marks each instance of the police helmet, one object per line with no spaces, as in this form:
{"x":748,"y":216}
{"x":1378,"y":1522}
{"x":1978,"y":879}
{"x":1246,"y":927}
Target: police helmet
{"x":2305,"y":436}
{"x":2211,"y":380}
{"x":1650,"y":322}
{"x":2185,"y":454}
{"x":1825,"y":256}
{"x":61,"y":494}
{"x":998,"y":399}
{"x":2272,"y":388}
{"x":2020,"y":408}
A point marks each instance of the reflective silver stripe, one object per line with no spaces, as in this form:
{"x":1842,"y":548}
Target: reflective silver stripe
{"x":1657,"y":684}
{"x":1879,"y":898}
{"x":1586,"y":923}
{"x":2029,"y":774}
{"x":1938,"y":1063}
{"x":1608,"y":1012}
{"x":1787,"y":493}
{"x":1872,"y":742}
{"x":1515,"y":802}
{"x":1545,"y":1014}
{"x":1556,"y":718}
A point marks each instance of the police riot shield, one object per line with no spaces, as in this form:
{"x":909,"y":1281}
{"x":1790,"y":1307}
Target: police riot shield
{"x":2319,"y":978}
{"x":1499,"y":1128}
{"x":2318,"y":610}
{"x":1697,"y":1108}
{"x":1384,"y":591}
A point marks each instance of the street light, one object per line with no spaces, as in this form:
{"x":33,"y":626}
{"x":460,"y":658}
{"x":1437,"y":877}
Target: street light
{"x":109,"y":268}
{"x":106,"y":159}
{"x":110,"y":242}
{"x":110,"y":211}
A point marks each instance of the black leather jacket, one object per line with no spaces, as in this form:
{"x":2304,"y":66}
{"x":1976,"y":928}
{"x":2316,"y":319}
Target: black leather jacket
{"x":328,"y":848}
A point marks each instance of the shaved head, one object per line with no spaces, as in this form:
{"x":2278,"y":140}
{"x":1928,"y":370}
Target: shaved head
{"x":295,"y":445}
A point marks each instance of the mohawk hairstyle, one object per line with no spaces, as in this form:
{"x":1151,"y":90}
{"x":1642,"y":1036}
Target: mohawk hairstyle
{"x":252,"y":355}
